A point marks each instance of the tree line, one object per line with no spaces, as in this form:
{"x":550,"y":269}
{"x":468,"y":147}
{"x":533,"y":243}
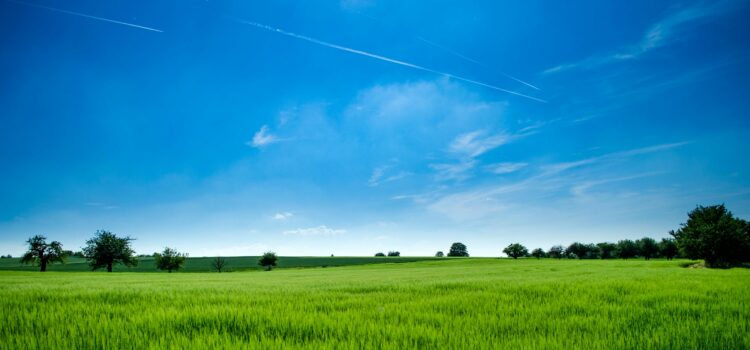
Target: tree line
{"x":106,"y":250}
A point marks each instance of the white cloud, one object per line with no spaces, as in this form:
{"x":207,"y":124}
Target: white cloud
{"x":456,"y":171}
{"x":559,"y":167}
{"x":475,"y":143}
{"x":262,"y":138}
{"x":505,"y":168}
{"x":321,"y":230}
{"x":282,"y":216}
{"x":380,"y":176}
{"x":660,"y":34}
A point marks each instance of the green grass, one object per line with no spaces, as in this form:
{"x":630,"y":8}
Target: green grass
{"x":235,"y":263}
{"x":450,"y":304}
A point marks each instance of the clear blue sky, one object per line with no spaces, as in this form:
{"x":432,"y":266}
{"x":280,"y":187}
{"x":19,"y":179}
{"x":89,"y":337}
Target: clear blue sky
{"x":352,"y":127}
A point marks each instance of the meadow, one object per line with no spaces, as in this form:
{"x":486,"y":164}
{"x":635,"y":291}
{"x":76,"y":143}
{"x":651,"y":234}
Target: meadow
{"x":450,"y":303}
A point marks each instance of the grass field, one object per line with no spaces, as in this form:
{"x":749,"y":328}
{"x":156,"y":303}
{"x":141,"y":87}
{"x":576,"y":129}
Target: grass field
{"x":450,"y":304}
{"x":236,"y":263}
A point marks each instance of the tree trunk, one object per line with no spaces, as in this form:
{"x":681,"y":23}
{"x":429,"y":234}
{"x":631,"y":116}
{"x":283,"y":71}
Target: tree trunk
{"x":109,"y":267}
{"x":43,"y":264}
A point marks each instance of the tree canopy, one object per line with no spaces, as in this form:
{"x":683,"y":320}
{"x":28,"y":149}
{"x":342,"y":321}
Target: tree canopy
{"x":42,"y":253}
{"x":268,"y":260}
{"x":538,"y":253}
{"x":169,"y":259}
{"x":713,"y":234}
{"x":515,"y":250}
{"x":557,"y":252}
{"x":105,"y":249}
{"x":458,"y":249}
{"x":647,"y":247}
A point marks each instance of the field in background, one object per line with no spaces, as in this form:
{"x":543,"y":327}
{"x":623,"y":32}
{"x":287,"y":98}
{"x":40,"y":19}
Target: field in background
{"x":235,"y":263}
{"x":451,"y":304}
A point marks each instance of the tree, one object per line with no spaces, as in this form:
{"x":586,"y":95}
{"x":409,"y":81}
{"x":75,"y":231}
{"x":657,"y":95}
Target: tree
{"x":515,"y":250}
{"x":268,"y":260}
{"x":439,"y":254}
{"x":394,"y":253}
{"x":538,"y":253}
{"x":668,"y":248}
{"x":379,"y":254}
{"x":627,"y":249}
{"x":647,"y":247}
{"x":713,"y":234}
{"x":557,"y":252}
{"x":458,"y":249}
{"x":219,"y":263}
{"x":105,"y":249}
{"x":42,"y":253}
{"x":169,"y":259}
{"x":606,"y":250}
{"x":582,"y":251}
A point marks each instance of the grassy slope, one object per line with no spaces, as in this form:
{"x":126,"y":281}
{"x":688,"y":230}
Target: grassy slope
{"x":237,"y":263}
{"x":468,"y":303}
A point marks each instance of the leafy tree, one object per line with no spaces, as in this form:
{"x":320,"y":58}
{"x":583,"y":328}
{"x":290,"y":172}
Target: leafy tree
{"x":712,"y":233}
{"x":379,"y":254}
{"x":647,"y":247}
{"x":538,"y":253}
{"x":105,"y":249}
{"x":606,"y":250}
{"x":219,"y":263}
{"x":556,"y":252}
{"x":582,"y":251}
{"x":515,"y":250}
{"x":169,"y":259}
{"x":42,"y":253}
{"x":394,"y":253}
{"x":439,"y":254}
{"x":268,"y":260}
{"x":458,"y":249}
{"x":668,"y":248}
{"x":627,"y":249}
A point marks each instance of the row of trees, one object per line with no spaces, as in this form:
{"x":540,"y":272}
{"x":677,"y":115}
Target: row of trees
{"x":390,"y":253}
{"x":646,"y":248}
{"x":105,"y":250}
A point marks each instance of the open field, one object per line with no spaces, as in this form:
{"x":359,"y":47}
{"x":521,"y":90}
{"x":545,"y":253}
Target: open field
{"x":203,"y":264}
{"x":452,"y":304}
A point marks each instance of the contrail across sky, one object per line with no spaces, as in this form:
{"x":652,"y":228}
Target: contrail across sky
{"x":85,"y":15}
{"x":466,"y":58}
{"x":383,"y":58}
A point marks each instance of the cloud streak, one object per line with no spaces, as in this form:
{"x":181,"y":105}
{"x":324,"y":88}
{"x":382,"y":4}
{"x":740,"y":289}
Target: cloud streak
{"x":321,"y":230}
{"x":86,"y":16}
{"x":385,"y":59}
{"x":559,"y":167}
{"x":262,"y":137}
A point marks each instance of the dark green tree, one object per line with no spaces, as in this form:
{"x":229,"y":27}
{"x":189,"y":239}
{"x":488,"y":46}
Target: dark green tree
{"x":516,"y":250}
{"x":647,"y":247}
{"x":713,"y":234}
{"x":105,"y":249}
{"x":606,"y":250}
{"x":557,"y":252}
{"x":169,"y":259}
{"x":379,"y":254}
{"x":219,"y":263}
{"x":627,"y":249}
{"x":439,"y":254}
{"x":42,"y":253}
{"x":668,"y":248}
{"x":538,"y":253}
{"x":582,"y":251}
{"x":394,"y":253}
{"x":458,"y":249}
{"x":268,"y":260}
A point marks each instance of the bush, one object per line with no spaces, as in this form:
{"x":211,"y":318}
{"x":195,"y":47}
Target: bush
{"x":379,"y":254}
{"x":394,"y":253}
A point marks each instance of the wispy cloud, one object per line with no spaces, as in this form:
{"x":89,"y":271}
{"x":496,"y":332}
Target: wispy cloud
{"x":321,"y":230}
{"x":85,"y":16}
{"x":380,"y":175}
{"x":505,"y":167}
{"x":475,"y":143}
{"x":660,"y":34}
{"x":262,"y":137}
{"x":453,"y":171}
{"x":385,"y":59}
{"x":282,"y":216}
{"x":559,"y":167}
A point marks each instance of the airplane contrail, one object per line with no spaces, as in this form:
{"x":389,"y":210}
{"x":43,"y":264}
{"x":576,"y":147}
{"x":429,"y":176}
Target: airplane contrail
{"x":466,"y":58}
{"x":85,"y":15}
{"x":386,"y":59}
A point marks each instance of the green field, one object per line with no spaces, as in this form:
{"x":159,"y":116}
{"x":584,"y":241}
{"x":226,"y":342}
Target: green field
{"x":450,"y":304}
{"x":235,"y":263}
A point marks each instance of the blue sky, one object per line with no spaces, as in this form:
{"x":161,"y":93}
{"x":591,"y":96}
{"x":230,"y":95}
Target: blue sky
{"x":352,"y":127}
